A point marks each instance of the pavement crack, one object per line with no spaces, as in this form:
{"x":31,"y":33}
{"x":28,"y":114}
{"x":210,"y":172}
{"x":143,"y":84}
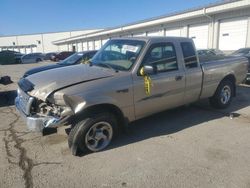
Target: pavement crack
{"x":24,"y":162}
{"x":11,"y":137}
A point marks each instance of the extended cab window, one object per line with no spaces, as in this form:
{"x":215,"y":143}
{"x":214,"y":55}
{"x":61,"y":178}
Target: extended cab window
{"x":189,"y":54}
{"x":162,"y":57}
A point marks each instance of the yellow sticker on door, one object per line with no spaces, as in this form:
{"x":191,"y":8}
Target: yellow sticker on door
{"x":147,"y":84}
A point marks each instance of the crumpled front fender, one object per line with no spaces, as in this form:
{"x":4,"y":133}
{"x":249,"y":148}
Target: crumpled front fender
{"x":78,"y":103}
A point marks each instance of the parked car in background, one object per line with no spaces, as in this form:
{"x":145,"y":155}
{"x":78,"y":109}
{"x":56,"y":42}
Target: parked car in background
{"x":242,"y":52}
{"x":204,"y":52}
{"x":217,"y":52}
{"x":245,"y":52}
{"x":32,"y":58}
{"x":62,"y":55}
{"x":77,"y":58}
{"x":10,"y":57}
{"x":206,"y":55}
{"x":48,"y":56}
{"x":210,"y":52}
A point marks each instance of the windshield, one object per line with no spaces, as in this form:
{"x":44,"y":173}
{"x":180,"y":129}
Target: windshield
{"x":118,"y":54}
{"x":71,"y":59}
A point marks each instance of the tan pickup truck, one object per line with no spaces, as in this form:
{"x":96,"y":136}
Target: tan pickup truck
{"x":128,"y":79}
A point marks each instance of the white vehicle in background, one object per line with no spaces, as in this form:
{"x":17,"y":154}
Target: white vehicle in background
{"x":32,"y":58}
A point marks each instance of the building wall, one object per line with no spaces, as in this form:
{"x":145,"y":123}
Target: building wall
{"x":43,"y":41}
{"x":203,"y":26}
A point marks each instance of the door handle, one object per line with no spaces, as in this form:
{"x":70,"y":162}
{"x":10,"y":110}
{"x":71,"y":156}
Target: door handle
{"x":177,"y":78}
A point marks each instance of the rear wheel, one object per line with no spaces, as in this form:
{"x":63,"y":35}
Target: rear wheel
{"x":247,"y":82}
{"x":223,"y":95}
{"x":92,"y":134}
{"x":38,"y":60}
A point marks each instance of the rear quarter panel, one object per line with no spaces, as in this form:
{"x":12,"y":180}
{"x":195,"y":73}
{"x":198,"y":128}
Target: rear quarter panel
{"x":216,"y":71}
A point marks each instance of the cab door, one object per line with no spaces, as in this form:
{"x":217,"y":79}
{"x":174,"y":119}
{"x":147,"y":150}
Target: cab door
{"x":193,"y":72}
{"x":168,"y":81}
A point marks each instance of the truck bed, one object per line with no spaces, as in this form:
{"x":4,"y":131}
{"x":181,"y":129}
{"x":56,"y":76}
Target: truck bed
{"x":215,"y":70}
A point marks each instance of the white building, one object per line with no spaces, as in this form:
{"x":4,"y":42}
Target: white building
{"x":224,"y":26}
{"x":41,"y":42}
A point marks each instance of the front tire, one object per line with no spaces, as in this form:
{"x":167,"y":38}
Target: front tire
{"x":92,"y":134}
{"x":223,"y":95}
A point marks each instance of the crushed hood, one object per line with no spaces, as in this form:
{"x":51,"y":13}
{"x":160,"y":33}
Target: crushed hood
{"x":46,"y":82}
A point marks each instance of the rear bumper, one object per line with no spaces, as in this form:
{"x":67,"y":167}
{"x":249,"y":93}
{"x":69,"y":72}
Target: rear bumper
{"x":36,"y":123}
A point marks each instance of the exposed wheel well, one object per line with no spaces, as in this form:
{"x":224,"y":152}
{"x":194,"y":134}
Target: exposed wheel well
{"x":121,"y":120}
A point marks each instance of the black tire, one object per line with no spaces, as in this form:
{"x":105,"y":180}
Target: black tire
{"x":220,"y":102}
{"x":78,"y":133}
{"x":38,"y":60}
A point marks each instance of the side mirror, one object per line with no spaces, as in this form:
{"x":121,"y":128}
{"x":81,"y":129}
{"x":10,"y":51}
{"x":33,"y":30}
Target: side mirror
{"x":147,"y":70}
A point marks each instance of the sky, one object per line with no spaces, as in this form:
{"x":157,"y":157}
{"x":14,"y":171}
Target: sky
{"x":38,"y":16}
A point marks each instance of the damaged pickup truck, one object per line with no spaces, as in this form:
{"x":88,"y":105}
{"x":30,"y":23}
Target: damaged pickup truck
{"x":128,"y":79}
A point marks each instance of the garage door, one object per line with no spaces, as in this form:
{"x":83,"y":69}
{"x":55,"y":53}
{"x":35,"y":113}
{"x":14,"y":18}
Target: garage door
{"x":34,"y":49}
{"x":63,"y":48}
{"x":70,"y":47}
{"x":173,"y":32}
{"x":98,"y":44}
{"x":28,"y":50}
{"x":85,"y":46}
{"x":22,"y":50}
{"x":155,"y":33}
{"x":233,"y":34}
{"x":79,"y":46}
{"x":199,"y":34}
{"x":139,"y":34}
{"x":91,"y":45}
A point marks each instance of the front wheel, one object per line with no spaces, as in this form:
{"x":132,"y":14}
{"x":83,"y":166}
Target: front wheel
{"x":92,"y":134}
{"x":223,"y":95}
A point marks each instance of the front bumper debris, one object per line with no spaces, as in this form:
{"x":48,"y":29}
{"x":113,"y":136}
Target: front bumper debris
{"x":37,"y":123}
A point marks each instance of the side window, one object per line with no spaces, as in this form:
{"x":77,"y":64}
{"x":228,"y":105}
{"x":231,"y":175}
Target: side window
{"x":162,"y":57}
{"x":190,"y":58}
